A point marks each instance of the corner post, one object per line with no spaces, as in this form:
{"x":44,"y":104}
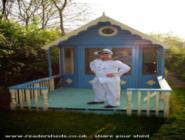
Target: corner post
{"x":13,"y":103}
{"x":49,"y":62}
{"x":167,"y":105}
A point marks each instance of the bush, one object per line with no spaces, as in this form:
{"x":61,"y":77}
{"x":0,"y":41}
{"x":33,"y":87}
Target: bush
{"x":21,"y":55}
{"x":175,"y":61}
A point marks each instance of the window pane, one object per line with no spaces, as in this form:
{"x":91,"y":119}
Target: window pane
{"x":89,"y":56}
{"x":149,"y":60}
{"x":124,"y":55}
{"x":68,"y":60}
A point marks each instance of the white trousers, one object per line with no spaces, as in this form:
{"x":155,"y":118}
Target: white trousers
{"x":109,"y":91}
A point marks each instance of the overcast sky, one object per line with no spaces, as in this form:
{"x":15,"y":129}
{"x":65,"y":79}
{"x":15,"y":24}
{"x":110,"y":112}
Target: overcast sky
{"x":157,"y":16}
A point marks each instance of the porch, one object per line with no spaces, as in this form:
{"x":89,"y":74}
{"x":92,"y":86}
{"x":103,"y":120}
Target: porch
{"x":73,"y":99}
{"x":42,"y":95}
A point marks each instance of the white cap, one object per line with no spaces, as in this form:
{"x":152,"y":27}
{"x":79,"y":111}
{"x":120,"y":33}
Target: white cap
{"x":107,"y":51}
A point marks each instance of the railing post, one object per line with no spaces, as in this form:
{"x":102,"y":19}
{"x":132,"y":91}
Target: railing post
{"x":28,"y":98}
{"x":129,"y":102}
{"x":148,"y":104}
{"x":51,"y":84}
{"x":21,"y":92}
{"x":13,"y":103}
{"x":157,"y":104}
{"x":167,"y":104}
{"x":37,"y":85}
{"x":45,"y":99}
{"x":139,"y":103}
{"x":36,"y":100}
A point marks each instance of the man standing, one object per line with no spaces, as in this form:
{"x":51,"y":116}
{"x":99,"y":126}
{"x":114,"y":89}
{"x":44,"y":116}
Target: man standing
{"x":106,"y":83}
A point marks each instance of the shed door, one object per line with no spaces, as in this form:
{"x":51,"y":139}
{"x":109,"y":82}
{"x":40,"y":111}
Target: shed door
{"x":122,"y":54}
{"x":148,"y":69}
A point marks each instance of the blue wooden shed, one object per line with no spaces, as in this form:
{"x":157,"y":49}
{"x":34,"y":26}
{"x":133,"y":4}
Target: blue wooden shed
{"x":144,"y":54}
{"x":144,"y":88}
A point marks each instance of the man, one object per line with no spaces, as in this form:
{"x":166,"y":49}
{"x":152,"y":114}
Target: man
{"x":106,"y":83}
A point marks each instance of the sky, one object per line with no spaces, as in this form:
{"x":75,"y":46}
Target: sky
{"x":147,"y":16}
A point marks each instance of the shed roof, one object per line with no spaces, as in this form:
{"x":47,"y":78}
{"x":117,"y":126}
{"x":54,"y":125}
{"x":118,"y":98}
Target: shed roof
{"x":103,"y":18}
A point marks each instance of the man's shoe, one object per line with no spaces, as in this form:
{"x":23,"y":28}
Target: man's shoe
{"x":94,"y":102}
{"x":110,"y":106}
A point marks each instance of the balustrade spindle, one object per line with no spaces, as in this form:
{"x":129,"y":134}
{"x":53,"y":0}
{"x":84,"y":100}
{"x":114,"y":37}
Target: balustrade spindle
{"x":129,"y":103}
{"x":148,"y":104}
{"x":28,"y":98}
{"x":157,"y":104}
{"x":45,"y":99}
{"x":139,"y":103}
{"x":167,"y":106}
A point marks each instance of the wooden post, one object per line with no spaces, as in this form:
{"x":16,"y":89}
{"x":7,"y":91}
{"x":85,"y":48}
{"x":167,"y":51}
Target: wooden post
{"x":157,"y":104}
{"x":21,"y":92}
{"x":23,"y":96}
{"x":60,"y":54}
{"x":139,"y":103}
{"x":49,"y":63}
{"x":45,"y":99}
{"x":167,"y":104}
{"x":51,"y":84}
{"x":148,"y":104}
{"x":129,"y":103}
{"x":28,"y":99}
{"x":37,"y":85}
{"x":13,"y":103}
{"x":32,"y":91}
{"x":16,"y":97}
{"x":36,"y":100}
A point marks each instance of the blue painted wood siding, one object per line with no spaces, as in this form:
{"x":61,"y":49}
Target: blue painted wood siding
{"x":123,"y":39}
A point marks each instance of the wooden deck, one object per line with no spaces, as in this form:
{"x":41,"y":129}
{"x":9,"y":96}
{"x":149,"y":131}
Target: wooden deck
{"x":41,"y":94}
{"x":75,"y":99}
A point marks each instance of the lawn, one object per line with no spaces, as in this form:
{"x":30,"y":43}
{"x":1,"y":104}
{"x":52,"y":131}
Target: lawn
{"x":93,"y":125}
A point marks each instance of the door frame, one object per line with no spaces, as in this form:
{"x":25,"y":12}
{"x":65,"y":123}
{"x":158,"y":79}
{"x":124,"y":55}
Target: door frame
{"x":148,"y":80}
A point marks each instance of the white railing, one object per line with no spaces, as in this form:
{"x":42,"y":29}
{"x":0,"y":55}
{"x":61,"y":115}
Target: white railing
{"x":162,"y":93}
{"x":27,"y":94}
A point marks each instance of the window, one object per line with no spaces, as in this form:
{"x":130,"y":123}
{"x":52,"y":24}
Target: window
{"x":149,"y":60}
{"x":124,"y":55}
{"x":89,"y":56}
{"x":108,"y":31}
{"x":68,"y":60}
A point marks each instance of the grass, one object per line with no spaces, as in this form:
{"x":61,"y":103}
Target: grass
{"x":68,"y":123}
{"x":174,"y":127}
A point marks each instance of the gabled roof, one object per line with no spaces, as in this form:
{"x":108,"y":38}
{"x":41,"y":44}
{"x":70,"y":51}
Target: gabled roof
{"x":103,"y":18}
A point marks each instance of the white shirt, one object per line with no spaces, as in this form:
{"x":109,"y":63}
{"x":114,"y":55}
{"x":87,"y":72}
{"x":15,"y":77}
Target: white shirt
{"x":102,"y":68}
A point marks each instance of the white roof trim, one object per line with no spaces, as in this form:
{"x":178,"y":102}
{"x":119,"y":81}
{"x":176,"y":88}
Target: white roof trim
{"x":103,"y":18}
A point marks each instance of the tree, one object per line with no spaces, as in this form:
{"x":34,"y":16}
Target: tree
{"x":3,"y":8}
{"x":21,"y":55}
{"x":62,"y":14}
{"x":47,"y":14}
{"x":6,"y":6}
{"x":175,"y":53}
{"x":27,"y":10}
{"x":71,"y":14}
{"x":60,"y":9}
